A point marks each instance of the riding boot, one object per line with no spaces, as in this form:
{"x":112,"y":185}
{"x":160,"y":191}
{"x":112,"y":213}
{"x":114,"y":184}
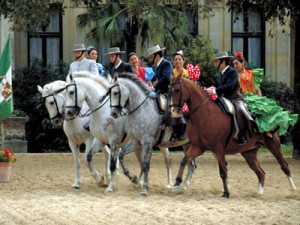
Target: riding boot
{"x":242,"y":138}
{"x":178,"y":132}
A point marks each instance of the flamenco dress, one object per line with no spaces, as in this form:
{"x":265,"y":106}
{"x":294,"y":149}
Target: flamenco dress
{"x":267,"y":113}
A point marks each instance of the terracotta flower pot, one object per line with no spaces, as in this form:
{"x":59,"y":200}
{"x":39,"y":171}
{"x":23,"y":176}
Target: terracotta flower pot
{"x":5,"y":172}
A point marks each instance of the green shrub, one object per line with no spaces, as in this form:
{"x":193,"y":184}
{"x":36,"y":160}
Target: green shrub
{"x":200,"y":52}
{"x":40,"y":135}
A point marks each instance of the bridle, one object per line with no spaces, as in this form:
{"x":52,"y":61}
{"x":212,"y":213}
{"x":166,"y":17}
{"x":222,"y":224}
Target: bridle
{"x":180,"y":102}
{"x":118,"y":106}
{"x":77,"y":108}
{"x":58,"y":114}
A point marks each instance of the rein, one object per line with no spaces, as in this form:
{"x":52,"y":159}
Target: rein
{"x":119,"y":103}
{"x":101,"y":105}
{"x":180,"y":100}
{"x":89,"y":112}
{"x":58,"y":115}
{"x":198,"y":107}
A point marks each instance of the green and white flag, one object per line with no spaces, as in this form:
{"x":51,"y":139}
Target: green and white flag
{"x":6,"y":101}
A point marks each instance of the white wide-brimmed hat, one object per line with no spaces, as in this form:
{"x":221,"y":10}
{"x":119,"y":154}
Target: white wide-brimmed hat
{"x":222,"y":55}
{"x":79,"y":47}
{"x":114,"y":50}
{"x":154,"y":50}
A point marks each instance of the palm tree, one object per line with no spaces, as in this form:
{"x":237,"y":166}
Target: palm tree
{"x":152,"y":21}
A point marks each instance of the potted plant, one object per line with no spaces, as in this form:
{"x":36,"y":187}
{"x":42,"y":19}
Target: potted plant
{"x":7,"y":158}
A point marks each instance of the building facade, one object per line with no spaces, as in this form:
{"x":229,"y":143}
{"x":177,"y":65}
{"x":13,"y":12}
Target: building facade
{"x":264,"y":44}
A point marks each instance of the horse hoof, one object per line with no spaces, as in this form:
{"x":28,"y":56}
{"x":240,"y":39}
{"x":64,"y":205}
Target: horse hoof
{"x":135,"y":180}
{"x":109,"y":190}
{"x":184,"y":188}
{"x":76,"y":186}
{"x":177,"y":189}
{"x":225,"y":195}
{"x":101,"y":183}
{"x":169,"y":186}
{"x":144,"y":193}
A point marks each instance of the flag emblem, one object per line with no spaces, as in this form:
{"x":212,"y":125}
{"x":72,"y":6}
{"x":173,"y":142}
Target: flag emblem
{"x":6,"y":100}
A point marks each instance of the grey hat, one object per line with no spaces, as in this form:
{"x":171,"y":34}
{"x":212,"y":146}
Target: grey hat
{"x":114,"y":50}
{"x":154,"y":50}
{"x":222,"y":55}
{"x":79,"y":47}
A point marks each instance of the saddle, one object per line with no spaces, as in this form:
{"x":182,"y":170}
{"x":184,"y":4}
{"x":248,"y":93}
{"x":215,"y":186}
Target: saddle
{"x":226,"y":106}
{"x":241,"y":116}
{"x":161,"y":102}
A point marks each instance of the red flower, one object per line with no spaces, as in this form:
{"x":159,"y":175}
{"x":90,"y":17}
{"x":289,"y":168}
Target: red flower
{"x":239,"y":55}
{"x":6,"y":153}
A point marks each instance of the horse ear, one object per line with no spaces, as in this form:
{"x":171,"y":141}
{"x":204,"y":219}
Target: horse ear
{"x":69,"y":78}
{"x":40,"y":89}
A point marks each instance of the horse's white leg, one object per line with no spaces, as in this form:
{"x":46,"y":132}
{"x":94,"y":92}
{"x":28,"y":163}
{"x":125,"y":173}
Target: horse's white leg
{"x":115,"y":150}
{"x":107,"y":156}
{"x":147,"y":152}
{"x":89,"y":159}
{"x":76,"y":155}
{"x":167,"y":161}
{"x":260,"y":189}
{"x":128,"y":148}
{"x":291,"y":181}
{"x":191,"y":169}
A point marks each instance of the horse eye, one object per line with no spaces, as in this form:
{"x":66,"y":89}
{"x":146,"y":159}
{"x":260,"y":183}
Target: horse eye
{"x":177,"y":90}
{"x":71,"y":92}
{"x":116,"y":93}
{"x":51,"y":103}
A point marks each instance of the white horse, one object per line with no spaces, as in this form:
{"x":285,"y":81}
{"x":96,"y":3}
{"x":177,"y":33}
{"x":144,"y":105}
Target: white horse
{"x":82,"y":86}
{"x":143,"y":119}
{"x":53,"y":95}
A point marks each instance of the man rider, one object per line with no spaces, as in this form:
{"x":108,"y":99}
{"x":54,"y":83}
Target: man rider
{"x":229,"y":88}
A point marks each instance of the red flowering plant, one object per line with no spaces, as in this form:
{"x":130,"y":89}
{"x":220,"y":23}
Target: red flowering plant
{"x":7,"y":156}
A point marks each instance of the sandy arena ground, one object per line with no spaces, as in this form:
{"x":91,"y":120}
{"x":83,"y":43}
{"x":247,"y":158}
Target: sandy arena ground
{"x":40,"y":193}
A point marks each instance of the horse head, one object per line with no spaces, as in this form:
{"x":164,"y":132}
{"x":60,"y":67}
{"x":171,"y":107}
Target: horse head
{"x":72,"y":96}
{"x":177,"y":95}
{"x":53,"y":96}
{"x":119,"y":96}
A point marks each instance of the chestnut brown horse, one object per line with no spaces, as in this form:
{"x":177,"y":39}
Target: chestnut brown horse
{"x":210,"y":129}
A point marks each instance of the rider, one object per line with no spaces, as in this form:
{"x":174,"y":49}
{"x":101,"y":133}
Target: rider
{"x":81,"y":63}
{"x":117,"y":65}
{"x":163,"y":70}
{"x":161,"y":81}
{"x":229,"y":88}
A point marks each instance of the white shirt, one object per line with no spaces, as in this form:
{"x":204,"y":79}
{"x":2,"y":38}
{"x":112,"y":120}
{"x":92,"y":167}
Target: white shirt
{"x":159,"y":62}
{"x":116,"y":66}
{"x":223,"y":71}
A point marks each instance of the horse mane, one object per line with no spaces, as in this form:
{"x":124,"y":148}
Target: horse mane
{"x":98,"y":79}
{"x":53,"y":86}
{"x":135,"y":79}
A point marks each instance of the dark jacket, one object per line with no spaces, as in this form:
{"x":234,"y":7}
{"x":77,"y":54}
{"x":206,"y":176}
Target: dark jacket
{"x":124,"y":67}
{"x":229,"y":85}
{"x":163,"y":73}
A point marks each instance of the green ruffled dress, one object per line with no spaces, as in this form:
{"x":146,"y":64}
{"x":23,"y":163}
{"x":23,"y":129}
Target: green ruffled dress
{"x":266,"y":112}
